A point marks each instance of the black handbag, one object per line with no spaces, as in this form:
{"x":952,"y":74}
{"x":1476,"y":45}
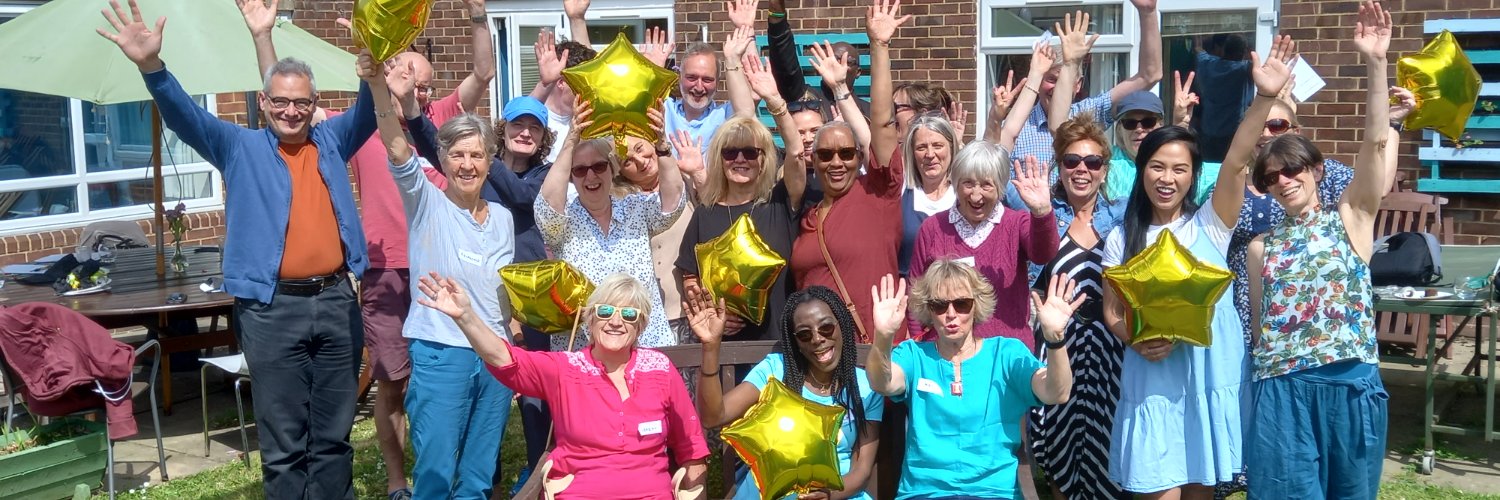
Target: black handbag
{"x":1406,"y":259}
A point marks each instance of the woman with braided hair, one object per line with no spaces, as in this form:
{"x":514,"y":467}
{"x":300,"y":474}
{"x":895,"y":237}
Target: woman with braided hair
{"x":817,"y":336}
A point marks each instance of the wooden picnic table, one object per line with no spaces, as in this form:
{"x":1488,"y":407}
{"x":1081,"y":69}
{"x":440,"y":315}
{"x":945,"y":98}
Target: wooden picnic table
{"x":138,"y":298}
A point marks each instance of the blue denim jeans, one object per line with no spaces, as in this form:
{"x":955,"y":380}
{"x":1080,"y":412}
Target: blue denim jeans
{"x":457,"y":412}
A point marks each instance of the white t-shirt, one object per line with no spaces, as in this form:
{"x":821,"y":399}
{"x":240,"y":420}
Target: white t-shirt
{"x":921,"y":203}
{"x":560,"y":125}
{"x":1206,"y":219}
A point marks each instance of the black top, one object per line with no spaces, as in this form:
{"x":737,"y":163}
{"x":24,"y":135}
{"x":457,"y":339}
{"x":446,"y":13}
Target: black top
{"x":776,"y":223}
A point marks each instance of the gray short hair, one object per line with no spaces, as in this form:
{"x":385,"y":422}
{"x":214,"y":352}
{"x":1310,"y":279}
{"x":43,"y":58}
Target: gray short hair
{"x":936,"y":122}
{"x":289,"y":66}
{"x":463,"y":127}
{"x":700,"y":48}
{"x":981,"y":160}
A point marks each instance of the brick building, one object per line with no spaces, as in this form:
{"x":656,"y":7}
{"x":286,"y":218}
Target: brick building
{"x":84,"y":163}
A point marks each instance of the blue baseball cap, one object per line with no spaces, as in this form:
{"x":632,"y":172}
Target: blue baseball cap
{"x":1140,"y":100}
{"x":525,"y":105}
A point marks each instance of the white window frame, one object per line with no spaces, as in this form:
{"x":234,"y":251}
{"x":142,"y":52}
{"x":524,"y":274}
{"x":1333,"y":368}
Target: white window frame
{"x":549,"y":13}
{"x":81,"y":177}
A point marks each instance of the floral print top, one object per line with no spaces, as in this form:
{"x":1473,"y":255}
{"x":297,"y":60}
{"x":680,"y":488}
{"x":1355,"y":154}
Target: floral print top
{"x":1316,"y":297}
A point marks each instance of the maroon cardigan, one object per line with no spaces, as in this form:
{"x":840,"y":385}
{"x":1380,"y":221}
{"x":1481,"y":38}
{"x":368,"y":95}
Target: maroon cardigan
{"x":58,"y":353}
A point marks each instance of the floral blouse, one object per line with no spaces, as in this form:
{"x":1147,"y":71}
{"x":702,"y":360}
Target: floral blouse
{"x":1316,"y":297}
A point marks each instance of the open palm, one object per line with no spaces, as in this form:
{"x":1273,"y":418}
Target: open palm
{"x":758,"y":72}
{"x":1032,"y":184}
{"x":881,"y":21}
{"x":1055,"y":310}
{"x":140,"y":43}
{"x":259,"y":17}
{"x":1076,"y":41}
{"x":890,"y":306}
{"x":1372,"y":34}
{"x":1271,"y":76}
{"x":549,"y":63}
{"x":443,"y":294}
{"x":833,"y":69}
{"x":705,"y":316}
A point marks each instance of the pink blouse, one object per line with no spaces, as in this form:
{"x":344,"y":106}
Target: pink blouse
{"x":613,"y":448}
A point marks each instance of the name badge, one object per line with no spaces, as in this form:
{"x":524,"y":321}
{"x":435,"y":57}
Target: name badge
{"x":471,"y":257}
{"x":649,"y":428}
{"x":966,"y":260}
{"x":929,"y":387}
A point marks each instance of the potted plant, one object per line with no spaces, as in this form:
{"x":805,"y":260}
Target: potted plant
{"x":50,"y":461}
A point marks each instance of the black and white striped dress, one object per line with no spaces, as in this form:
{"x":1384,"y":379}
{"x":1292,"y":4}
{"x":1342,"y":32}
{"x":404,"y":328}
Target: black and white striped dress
{"x":1071,"y":441}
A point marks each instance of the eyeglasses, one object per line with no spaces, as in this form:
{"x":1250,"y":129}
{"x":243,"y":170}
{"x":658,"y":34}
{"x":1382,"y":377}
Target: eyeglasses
{"x":1093,"y":162}
{"x":795,"y":106}
{"x":750,"y":154}
{"x":845,"y":154}
{"x":1131,"y":123}
{"x":806,"y":334}
{"x":1271,"y":177}
{"x":606,"y":312}
{"x":424,"y":89}
{"x":599,"y":168}
{"x":299,"y":104}
{"x":1278,"y":126}
{"x":961,"y":306}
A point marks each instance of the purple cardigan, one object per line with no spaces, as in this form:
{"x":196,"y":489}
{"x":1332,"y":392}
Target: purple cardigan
{"x":1017,"y":238}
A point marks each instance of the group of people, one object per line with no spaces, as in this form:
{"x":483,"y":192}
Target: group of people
{"x":973,"y":268}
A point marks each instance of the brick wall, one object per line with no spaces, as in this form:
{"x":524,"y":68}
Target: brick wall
{"x":1333,"y":117}
{"x":937,"y":45}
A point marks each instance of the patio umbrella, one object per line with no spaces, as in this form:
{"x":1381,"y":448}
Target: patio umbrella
{"x":53,"y":49}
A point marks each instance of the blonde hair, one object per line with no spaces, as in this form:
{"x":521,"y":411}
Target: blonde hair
{"x":734,"y":133}
{"x":622,"y":290}
{"x":945,"y":274}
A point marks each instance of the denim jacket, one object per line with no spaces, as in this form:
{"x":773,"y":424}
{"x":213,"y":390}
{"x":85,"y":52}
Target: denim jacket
{"x":258,"y":200}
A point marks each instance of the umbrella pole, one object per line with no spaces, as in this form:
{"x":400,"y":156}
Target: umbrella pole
{"x":156,"y":194}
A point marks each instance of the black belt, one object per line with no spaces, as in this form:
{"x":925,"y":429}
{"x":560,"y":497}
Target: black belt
{"x":307,"y":287}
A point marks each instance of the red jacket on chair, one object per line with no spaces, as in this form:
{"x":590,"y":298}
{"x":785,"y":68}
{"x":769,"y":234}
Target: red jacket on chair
{"x":58,"y":354}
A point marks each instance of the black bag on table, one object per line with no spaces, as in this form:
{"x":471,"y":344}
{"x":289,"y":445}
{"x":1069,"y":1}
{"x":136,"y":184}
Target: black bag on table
{"x":1406,"y":259}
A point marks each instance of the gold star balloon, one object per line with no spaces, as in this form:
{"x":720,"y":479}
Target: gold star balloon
{"x":621,"y":84}
{"x":1445,"y":84}
{"x":788,"y":442}
{"x":1168,"y":293}
{"x":546,"y":294}
{"x":387,"y":27}
{"x":739,"y":267}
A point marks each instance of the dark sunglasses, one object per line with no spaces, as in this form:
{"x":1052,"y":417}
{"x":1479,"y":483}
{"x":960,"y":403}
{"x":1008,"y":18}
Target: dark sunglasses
{"x":1279,"y":126}
{"x":806,"y":334}
{"x":961,"y":306}
{"x":750,"y":154}
{"x":795,"y":106}
{"x":598,"y":168}
{"x":1270,"y":178}
{"x":628,"y":314}
{"x":1093,"y":162}
{"x":845,"y":154}
{"x":1132,"y":123}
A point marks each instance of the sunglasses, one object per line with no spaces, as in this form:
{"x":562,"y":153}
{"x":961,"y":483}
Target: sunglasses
{"x":1279,"y":126}
{"x":961,"y":306}
{"x":605,"y":312}
{"x":795,"y":106}
{"x":845,"y":154}
{"x":598,"y":168}
{"x":1093,"y":162}
{"x":750,"y":154}
{"x":806,"y":334}
{"x":1132,"y":123}
{"x":1270,"y":178}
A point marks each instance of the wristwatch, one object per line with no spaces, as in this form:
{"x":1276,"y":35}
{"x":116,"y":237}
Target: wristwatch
{"x":664,"y":149}
{"x":478,"y":19}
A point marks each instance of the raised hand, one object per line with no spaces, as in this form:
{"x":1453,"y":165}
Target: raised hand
{"x":889,"y":308}
{"x":958,"y":117}
{"x":833,"y":69}
{"x":689,"y":152}
{"x":259,"y":17}
{"x":366,"y":69}
{"x":1042,"y":59}
{"x":140,"y":43}
{"x":549,"y":63}
{"x":1073,"y":33}
{"x":1372,"y":33}
{"x":1032,"y":183}
{"x":575,"y":9}
{"x":738,"y":43}
{"x":742,"y":12}
{"x":401,"y":80}
{"x":583,"y":116}
{"x":658,"y":121}
{"x":1144,"y":5}
{"x":1055,"y":310}
{"x":443,"y":294}
{"x":1183,"y":99}
{"x":1402,"y":104}
{"x":1272,"y":76}
{"x":758,"y":72}
{"x":476,"y":7}
{"x":658,"y":47}
{"x":705,"y":317}
{"x":881,"y":21}
{"x":1006,"y":94}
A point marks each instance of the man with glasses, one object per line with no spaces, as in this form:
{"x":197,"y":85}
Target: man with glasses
{"x":294,"y":236}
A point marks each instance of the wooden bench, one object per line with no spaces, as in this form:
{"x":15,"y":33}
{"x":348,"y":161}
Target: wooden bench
{"x":688,"y":358}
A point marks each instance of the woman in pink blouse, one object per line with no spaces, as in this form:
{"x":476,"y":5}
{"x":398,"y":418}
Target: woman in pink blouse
{"x":617,"y":409}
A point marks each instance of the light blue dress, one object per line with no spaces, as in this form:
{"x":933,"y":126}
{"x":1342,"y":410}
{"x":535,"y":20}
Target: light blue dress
{"x":1178,"y":421}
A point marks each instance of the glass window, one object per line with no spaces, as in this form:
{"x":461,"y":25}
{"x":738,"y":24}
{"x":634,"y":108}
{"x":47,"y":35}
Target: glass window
{"x":1101,"y":70}
{"x":118,"y":136}
{"x":1030,"y":21}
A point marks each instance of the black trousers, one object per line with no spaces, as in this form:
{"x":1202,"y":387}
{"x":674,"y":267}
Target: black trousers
{"x":304,"y":356}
